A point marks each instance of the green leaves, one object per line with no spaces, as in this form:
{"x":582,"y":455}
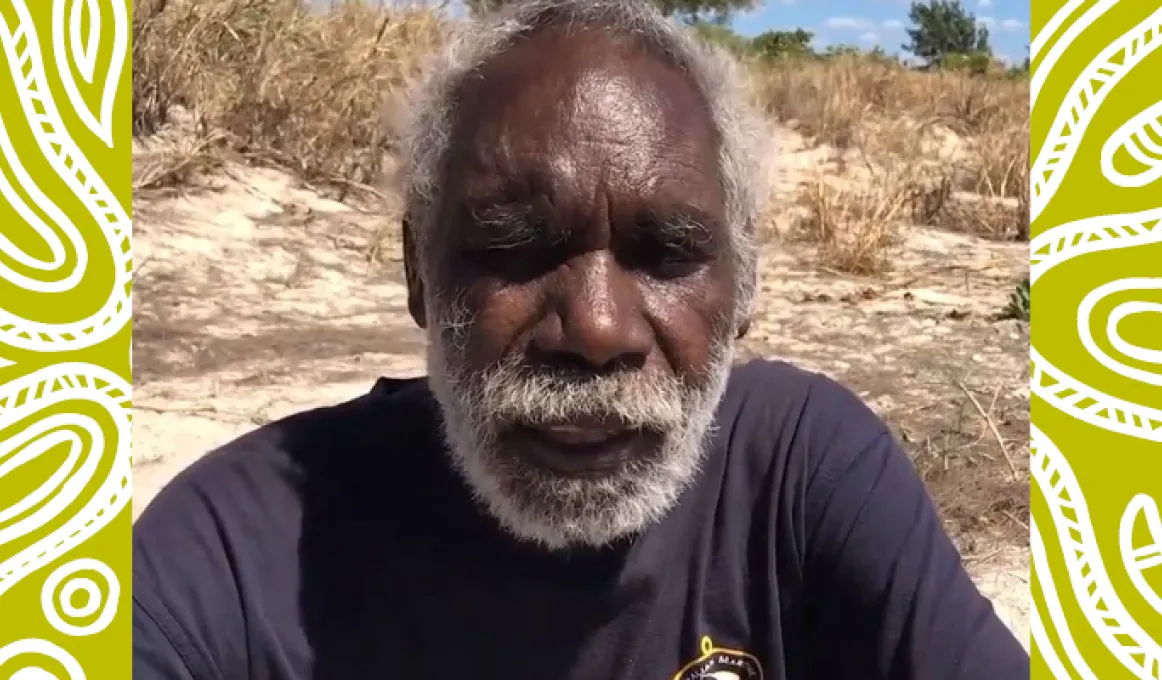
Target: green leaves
{"x":943,"y":28}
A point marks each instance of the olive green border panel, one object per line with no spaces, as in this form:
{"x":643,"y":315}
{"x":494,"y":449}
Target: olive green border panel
{"x":1096,"y":273}
{"x":65,"y":270}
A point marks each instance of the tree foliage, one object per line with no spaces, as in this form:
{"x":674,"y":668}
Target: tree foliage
{"x":782,"y":43}
{"x":943,"y":28}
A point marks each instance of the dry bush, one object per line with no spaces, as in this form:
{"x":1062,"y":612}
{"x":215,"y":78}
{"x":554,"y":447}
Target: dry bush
{"x":987,"y":217}
{"x":833,"y":98}
{"x":279,"y":82}
{"x":856,"y":224}
{"x":829,"y":101}
{"x":971,"y":129}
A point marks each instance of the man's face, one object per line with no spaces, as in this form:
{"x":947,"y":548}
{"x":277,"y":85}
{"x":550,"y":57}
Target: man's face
{"x":578,"y":287}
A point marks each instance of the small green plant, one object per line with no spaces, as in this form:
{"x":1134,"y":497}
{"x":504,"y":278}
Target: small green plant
{"x":1018,"y":306}
{"x":974,"y":63}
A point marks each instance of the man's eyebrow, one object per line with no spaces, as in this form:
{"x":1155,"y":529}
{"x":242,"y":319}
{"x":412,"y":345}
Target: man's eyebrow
{"x":504,"y":224}
{"x":685,"y":225}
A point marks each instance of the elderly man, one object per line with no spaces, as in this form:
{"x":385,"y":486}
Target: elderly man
{"x":585,"y":486}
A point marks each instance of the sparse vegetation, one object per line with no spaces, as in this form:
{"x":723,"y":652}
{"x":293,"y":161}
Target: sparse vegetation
{"x":275,"y":82}
{"x":944,"y":146}
{"x":856,"y":224}
{"x":1019,"y":306}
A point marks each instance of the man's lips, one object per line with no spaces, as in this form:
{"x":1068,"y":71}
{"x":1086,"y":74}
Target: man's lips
{"x":582,"y":446}
{"x":581,"y":433}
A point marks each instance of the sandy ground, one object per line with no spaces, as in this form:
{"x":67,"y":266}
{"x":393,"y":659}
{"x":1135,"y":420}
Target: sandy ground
{"x":255,"y":297}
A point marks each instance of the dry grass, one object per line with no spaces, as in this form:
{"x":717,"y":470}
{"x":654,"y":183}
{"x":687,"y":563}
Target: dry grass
{"x":266,"y":81}
{"x":274,"y":82}
{"x":974,"y":459}
{"x":857,"y":224}
{"x":969,"y":135}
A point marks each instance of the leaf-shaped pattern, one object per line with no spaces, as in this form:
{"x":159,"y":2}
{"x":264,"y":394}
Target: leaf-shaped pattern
{"x":1141,"y":138}
{"x":84,"y":44}
{"x":78,"y":53}
{"x":1142,"y":560}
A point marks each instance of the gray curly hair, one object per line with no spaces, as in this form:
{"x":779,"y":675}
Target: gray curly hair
{"x":743,"y":152}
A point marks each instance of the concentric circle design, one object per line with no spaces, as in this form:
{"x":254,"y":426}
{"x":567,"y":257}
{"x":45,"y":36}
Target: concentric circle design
{"x":99,"y":601}
{"x":1130,"y":158}
{"x":65,"y":427}
{"x":21,"y":402}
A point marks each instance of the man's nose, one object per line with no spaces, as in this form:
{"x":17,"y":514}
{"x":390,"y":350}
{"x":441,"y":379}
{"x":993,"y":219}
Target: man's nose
{"x":596,"y":320}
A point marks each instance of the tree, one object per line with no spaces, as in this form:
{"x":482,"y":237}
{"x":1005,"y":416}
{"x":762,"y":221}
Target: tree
{"x":782,"y":43}
{"x":691,"y":11}
{"x":944,"y":28}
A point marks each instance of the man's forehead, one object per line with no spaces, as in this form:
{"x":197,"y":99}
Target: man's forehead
{"x":548,"y":97}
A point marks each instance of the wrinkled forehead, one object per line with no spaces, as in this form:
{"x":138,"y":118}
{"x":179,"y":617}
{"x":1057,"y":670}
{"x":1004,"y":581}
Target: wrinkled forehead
{"x":584,"y":107}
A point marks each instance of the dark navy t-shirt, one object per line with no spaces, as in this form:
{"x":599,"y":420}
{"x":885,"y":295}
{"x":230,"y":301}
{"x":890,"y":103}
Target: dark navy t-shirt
{"x":337,"y":544}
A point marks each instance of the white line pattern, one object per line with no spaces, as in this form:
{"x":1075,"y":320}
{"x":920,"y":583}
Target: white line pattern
{"x":1136,"y":137}
{"x":84,"y":54}
{"x":1065,"y":393}
{"x":36,"y":647}
{"x":1040,"y":566}
{"x":78,"y":408}
{"x":1050,"y":29}
{"x":1138,"y":560}
{"x":23,"y":55}
{"x":1118,"y":314}
{"x":1095,"y":594}
{"x":23,"y":400}
{"x":1082,"y":102}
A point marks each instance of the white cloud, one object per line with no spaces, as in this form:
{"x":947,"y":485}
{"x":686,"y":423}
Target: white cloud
{"x":1012,"y":25}
{"x":869,"y":37}
{"x":985,"y":4}
{"x":892,"y":25}
{"x":848,"y":24}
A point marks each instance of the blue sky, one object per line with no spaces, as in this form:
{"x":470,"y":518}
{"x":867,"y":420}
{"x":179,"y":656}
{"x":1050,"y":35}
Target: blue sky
{"x":881,"y":22}
{"x":867,"y":23}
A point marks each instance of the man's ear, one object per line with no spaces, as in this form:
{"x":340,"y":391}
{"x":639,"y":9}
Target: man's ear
{"x":412,"y":269}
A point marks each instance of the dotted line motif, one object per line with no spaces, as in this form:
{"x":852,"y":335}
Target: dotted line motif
{"x":1091,"y":585}
{"x":22,"y":50}
{"x":1087,"y":576}
{"x":1085,"y":97}
{"x":31,"y":394}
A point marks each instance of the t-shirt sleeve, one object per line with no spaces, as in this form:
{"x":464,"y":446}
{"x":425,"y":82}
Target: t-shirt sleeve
{"x":157,"y":655}
{"x":889,"y":596}
{"x":187,"y":618}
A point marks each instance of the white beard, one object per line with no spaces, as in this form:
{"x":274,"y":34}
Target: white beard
{"x":553,"y":510}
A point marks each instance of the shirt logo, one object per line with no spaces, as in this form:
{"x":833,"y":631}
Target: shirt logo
{"x":717,"y":663}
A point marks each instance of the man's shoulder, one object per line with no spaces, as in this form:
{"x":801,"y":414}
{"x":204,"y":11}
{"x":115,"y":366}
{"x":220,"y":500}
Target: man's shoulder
{"x":224,"y":537}
{"x":782,"y":409}
{"x":778,"y":385}
{"x":263,"y":469}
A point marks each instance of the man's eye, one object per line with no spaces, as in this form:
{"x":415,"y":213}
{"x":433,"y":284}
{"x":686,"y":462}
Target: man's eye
{"x":516,"y":261}
{"x":669,"y":260}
